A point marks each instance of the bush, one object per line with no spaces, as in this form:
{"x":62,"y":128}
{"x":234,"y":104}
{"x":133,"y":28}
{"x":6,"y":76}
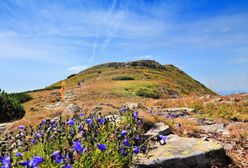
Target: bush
{"x":123,"y":78}
{"x":10,"y":108}
{"x":148,"y":93}
{"x":21,"y":97}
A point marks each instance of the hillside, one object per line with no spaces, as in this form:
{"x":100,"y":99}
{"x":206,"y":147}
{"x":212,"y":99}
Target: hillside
{"x":134,"y":78}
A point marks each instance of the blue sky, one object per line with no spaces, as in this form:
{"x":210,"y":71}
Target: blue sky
{"x":42,"y":42}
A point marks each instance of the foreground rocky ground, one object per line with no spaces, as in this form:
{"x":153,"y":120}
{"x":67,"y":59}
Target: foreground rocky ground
{"x":190,"y":139}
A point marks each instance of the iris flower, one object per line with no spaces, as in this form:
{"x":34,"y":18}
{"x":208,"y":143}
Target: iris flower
{"x":21,"y":127}
{"x":18,"y":154}
{"x":33,"y":163}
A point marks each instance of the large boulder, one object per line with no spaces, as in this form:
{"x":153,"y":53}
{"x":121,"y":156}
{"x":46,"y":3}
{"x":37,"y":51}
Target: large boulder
{"x":215,"y":128}
{"x":181,"y":152}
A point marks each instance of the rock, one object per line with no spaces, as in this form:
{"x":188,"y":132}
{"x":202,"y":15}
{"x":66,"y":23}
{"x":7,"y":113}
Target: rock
{"x":132,"y":106}
{"x":54,"y":105}
{"x":72,"y":108}
{"x":112,"y":118}
{"x":158,"y":128}
{"x":215,"y":128}
{"x":180,"y":109}
{"x":2,"y":128}
{"x":184,"y":153}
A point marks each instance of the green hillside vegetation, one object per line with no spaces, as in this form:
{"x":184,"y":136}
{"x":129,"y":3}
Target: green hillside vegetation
{"x":144,"y":78}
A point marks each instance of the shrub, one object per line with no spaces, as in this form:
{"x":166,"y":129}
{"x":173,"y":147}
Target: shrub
{"x":21,"y":97}
{"x":148,"y":93}
{"x":10,"y":108}
{"x":70,"y":76}
{"x":78,"y":141}
{"x":123,"y":78}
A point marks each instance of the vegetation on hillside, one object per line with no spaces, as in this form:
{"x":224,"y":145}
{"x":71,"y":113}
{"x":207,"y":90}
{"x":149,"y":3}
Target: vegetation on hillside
{"x":167,"y":79}
{"x":10,"y":107}
{"x":81,"y":141}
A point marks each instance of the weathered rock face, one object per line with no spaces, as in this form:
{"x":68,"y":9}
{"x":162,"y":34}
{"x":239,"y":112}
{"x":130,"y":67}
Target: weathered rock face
{"x":72,"y":108}
{"x":173,"y":112}
{"x":158,"y":128}
{"x":180,"y":152}
{"x":2,"y":128}
{"x":215,"y":128}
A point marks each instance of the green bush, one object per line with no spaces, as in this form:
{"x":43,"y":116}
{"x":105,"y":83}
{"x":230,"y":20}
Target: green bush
{"x":21,"y":97}
{"x":148,"y":93}
{"x":10,"y":108}
{"x":123,"y":78}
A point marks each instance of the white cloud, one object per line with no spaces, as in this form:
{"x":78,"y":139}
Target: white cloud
{"x":76,"y":69}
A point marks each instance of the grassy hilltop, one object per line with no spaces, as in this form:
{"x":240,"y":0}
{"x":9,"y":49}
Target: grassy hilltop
{"x":145,"y":78}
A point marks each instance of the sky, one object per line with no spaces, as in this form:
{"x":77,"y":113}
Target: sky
{"x":44,"y":41}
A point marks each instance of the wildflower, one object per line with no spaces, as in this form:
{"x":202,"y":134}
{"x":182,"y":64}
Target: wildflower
{"x":126,"y":142}
{"x":136,"y":150}
{"x":139,"y":122}
{"x":58,"y":158}
{"x":138,"y":138}
{"x":135,"y":115}
{"x":71,"y":122}
{"x":102,"y":147}
{"x":81,"y":115}
{"x":101,"y":120}
{"x":33,"y":163}
{"x":78,"y":147}
{"x":43,"y":122}
{"x":123,"y":152}
{"x":163,"y":139}
{"x":89,"y":121}
{"x":38,"y":135}
{"x":123,"y":132}
{"x":67,"y":166}
{"x":18,"y":154}
{"x":21,"y":127}
{"x":55,"y":154}
{"x":33,"y":141}
{"x":6,"y":162}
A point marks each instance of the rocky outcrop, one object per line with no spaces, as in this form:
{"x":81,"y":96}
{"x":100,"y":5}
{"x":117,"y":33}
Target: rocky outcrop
{"x":158,"y":129}
{"x":184,"y":153}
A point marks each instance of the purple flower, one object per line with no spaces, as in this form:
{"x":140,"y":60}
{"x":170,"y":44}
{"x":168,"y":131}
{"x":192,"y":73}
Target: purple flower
{"x":78,"y":147}
{"x":59,"y":159}
{"x":126,"y":142}
{"x":81,"y":115}
{"x":123,"y":132}
{"x":123,"y":152}
{"x":38,"y":135}
{"x":139,"y":122}
{"x":102,"y":147}
{"x":33,"y":141}
{"x":101,"y":120}
{"x":163,"y":139}
{"x":136,"y":150}
{"x":89,"y":121}
{"x":33,"y":163}
{"x":67,"y":166}
{"x":71,"y":122}
{"x":122,"y":109}
{"x":18,"y":154}
{"x":21,"y":127}
{"x":43,"y":122}
{"x":136,"y":115}
{"x":24,"y":163}
{"x":150,"y":110}
{"x":6,"y":162}
{"x":55,"y":154}
{"x":138,"y":138}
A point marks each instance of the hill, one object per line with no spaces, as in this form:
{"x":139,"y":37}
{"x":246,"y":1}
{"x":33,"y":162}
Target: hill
{"x":146,"y":78}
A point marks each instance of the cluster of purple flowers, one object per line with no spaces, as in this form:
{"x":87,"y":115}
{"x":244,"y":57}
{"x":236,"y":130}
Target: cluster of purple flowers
{"x":70,"y":141}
